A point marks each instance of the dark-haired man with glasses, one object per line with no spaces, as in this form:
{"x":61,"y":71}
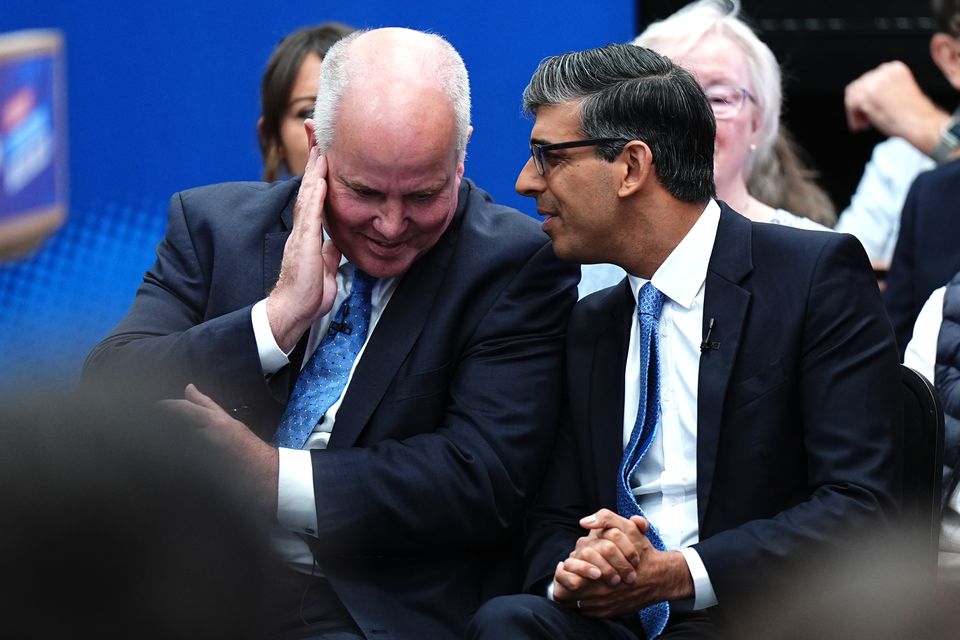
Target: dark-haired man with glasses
{"x":732,"y":405}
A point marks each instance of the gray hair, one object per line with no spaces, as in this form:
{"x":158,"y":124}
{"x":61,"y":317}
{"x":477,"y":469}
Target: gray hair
{"x":336,"y":73}
{"x":677,"y":34}
{"x":633,"y":93}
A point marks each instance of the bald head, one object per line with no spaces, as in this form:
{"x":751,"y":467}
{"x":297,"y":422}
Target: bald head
{"x":392,"y":75}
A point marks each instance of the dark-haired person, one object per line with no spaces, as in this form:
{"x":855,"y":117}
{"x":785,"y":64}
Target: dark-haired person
{"x":287,"y":93}
{"x":732,"y":406}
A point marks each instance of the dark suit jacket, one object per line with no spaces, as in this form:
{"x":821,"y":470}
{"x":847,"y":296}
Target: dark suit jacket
{"x":798,"y":429}
{"x":928,"y":247}
{"x":446,"y":427}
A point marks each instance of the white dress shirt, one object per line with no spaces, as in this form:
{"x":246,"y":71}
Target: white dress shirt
{"x":921,"y":351}
{"x":296,"y":505}
{"x":665,"y":482}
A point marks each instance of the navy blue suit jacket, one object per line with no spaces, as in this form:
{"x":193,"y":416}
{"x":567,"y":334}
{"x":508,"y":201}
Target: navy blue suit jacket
{"x":928,"y":247}
{"x":446,"y":427}
{"x":798,"y":428}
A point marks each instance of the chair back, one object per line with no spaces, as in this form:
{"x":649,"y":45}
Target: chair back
{"x":923,"y":463}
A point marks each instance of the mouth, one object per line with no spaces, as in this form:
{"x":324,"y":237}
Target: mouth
{"x":383,"y":248}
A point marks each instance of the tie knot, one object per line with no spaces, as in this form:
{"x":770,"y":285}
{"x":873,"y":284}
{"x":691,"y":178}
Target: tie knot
{"x":362,"y":283}
{"x":650,"y":300}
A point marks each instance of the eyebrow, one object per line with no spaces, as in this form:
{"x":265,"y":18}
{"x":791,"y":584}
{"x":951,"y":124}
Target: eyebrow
{"x":301,"y":99}
{"x":362,"y":188}
{"x":356,"y":186}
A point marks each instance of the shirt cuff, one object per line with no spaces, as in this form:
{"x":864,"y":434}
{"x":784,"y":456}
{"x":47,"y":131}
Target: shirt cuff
{"x":296,"y":501}
{"x":272,"y":357}
{"x":703,"y":594}
{"x":550,"y":591}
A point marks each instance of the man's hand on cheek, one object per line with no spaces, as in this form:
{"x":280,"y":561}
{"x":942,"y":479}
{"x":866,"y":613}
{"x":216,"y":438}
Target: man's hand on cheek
{"x":307,"y":286}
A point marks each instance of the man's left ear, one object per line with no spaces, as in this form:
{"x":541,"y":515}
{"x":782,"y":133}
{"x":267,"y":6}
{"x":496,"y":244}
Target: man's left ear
{"x":308,"y":126}
{"x":460,"y":167}
{"x":637,"y":168}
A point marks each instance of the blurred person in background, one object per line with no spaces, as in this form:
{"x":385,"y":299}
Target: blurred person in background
{"x":922,"y":135}
{"x":287,"y":95}
{"x":122,"y":524}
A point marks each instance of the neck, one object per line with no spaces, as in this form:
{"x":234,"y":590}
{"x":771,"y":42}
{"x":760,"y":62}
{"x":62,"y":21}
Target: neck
{"x":653,"y":236}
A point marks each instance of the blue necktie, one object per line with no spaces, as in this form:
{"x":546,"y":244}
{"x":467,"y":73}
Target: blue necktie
{"x":649,"y":304}
{"x":323,"y":378}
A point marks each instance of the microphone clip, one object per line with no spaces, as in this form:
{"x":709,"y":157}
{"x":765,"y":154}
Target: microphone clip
{"x":707,"y":345}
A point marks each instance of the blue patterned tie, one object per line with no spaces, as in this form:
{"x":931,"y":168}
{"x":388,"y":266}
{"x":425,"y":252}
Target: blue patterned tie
{"x":649,"y":304}
{"x":323,"y":378}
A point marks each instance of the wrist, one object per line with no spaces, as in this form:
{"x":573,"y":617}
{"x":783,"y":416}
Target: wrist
{"x":925,"y":132}
{"x":285,"y":326}
{"x":948,"y":139}
{"x":679,"y":582}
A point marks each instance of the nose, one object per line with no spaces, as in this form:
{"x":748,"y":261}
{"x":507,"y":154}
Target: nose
{"x":390,"y":221}
{"x":529,"y":183}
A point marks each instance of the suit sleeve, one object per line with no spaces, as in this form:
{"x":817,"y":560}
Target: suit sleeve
{"x":848,"y":397}
{"x":466,"y":482}
{"x":552,"y":524}
{"x":167,"y":339}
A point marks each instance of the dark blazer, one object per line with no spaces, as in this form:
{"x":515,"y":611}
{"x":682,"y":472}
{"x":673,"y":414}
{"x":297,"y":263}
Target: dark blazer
{"x":928,"y":250}
{"x":799,"y":426}
{"x":445,"y":430}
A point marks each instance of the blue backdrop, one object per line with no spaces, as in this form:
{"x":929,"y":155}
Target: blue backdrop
{"x":165,"y":96}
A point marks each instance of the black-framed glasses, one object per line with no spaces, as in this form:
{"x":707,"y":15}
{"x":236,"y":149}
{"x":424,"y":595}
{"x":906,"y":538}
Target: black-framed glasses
{"x":539,"y":151}
{"x":726,"y":100}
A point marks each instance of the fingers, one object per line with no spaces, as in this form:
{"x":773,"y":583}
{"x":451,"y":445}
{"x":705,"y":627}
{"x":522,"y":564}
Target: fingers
{"x":605,"y":519}
{"x":609,"y":555}
{"x":194,"y":395}
{"x":641,"y":524}
{"x":570,"y":586}
{"x":308,"y":212}
{"x":186,"y":410}
{"x":331,"y":257}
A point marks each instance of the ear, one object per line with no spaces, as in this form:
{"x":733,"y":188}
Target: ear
{"x":637,"y":168}
{"x":260,"y":128}
{"x":308,"y":127}
{"x":945,"y":51}
{"x":460,"y":167}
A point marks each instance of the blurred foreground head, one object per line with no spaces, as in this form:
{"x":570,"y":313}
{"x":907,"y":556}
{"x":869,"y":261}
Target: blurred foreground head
{"x":121,"y":524}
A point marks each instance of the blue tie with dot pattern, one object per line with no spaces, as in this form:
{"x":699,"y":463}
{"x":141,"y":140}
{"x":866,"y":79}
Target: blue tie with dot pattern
{"x":649,"y":305}
{"x":322,"y":379}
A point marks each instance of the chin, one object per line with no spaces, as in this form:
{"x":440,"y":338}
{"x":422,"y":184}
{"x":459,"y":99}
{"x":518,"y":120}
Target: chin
{"x":381,"y":268}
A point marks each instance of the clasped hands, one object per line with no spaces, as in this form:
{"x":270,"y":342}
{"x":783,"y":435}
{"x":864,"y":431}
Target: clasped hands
{"x":614,"y":570}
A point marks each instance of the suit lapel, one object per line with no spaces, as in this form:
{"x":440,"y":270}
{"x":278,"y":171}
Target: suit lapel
{"x":605,"y":408}
{"x":726,"y":302}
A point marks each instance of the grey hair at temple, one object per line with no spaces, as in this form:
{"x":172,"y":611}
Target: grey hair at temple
{"x":633,"y":93}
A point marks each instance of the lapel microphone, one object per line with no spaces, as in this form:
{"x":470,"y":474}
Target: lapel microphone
{"x":706,"y":345}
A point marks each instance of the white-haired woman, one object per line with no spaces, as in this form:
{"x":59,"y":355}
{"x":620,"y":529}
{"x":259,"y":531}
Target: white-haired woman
{"x":741,"y":77}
